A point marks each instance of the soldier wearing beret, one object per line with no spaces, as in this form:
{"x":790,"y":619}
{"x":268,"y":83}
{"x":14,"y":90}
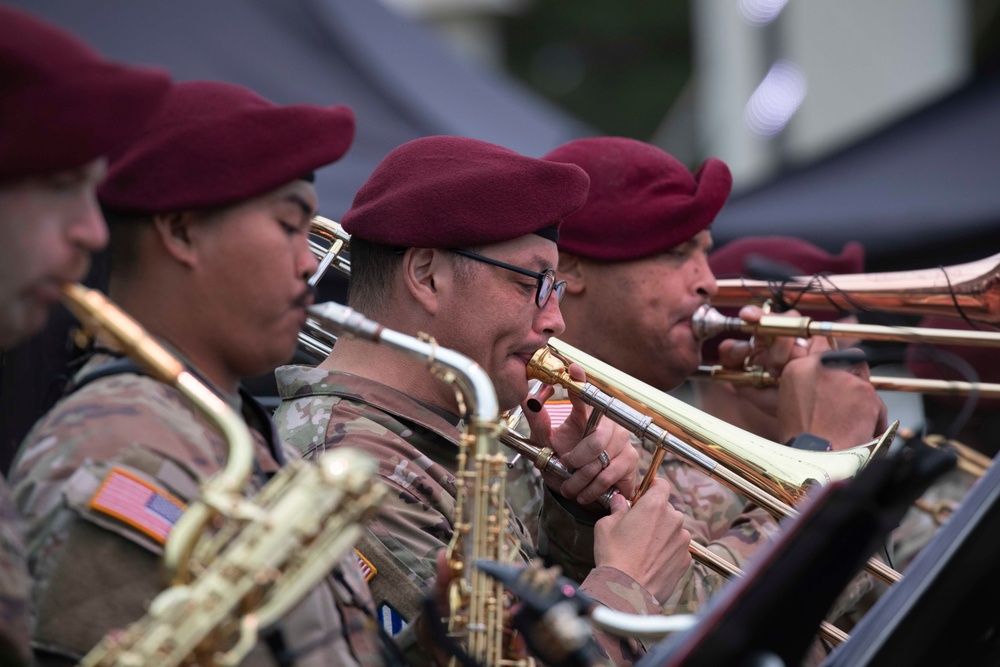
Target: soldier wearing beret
{"x":456,"y":238}
{"x":629,"y":301}
{"x":62,"y":109}
{"x":210,"y":212}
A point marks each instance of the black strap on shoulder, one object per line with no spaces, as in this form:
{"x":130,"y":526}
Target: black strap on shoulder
{"x":115,"y":367}
{"x":253,"y":412}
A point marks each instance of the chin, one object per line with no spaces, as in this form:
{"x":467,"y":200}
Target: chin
{"x":510,"y":394}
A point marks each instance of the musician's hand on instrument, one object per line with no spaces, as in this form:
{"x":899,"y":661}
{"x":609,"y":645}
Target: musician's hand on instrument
{"x":439,"y":588}
{"x":772,"y":353}
{"x":839,"y":405}
{"x":647,"y":541}
{"x":600,"y":460}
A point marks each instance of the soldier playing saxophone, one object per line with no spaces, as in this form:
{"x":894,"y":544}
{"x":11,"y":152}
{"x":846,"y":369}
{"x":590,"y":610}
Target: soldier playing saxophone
{"x":209,"y":215}
{"x":456,"y":238}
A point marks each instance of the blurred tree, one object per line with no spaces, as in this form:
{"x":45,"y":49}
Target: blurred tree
{"x":619,"y":66}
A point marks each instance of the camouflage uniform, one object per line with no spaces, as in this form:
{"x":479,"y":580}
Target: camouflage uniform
{"x":15,"y":586}
{"x":920,"y":525}
{"x":97,"y":567}
{"x":417,"y":449}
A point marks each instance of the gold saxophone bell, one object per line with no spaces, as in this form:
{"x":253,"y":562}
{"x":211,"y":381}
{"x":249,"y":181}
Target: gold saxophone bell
{"x":970,"y":290}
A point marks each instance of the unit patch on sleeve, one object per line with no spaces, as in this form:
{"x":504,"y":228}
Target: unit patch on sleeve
{"x":392,"y":621}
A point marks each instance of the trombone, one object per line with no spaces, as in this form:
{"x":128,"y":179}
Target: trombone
{"x":707,"y":322}
{"x":545,"y":460}
{"x":970,"y":291}
{"x":758,"y":377}
{"x":770,"y":474}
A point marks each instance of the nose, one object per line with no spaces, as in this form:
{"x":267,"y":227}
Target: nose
{"x":87,"y":229}
{"x":703,"y":279}
{"x":549,"y":320}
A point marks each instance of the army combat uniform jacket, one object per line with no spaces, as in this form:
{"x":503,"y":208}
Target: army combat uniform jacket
{"x":102,"y":478}
{"x":417,"y":451}
{"x":15,"y":586}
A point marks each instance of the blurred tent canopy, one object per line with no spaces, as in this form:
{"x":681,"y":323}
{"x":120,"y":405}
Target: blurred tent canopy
{"x":922,"y":193}
{"x":402,"y":81}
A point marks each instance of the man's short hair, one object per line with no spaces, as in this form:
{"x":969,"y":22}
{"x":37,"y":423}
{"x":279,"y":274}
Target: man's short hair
{"x":373,"y":269}
{"x":124,"y":232}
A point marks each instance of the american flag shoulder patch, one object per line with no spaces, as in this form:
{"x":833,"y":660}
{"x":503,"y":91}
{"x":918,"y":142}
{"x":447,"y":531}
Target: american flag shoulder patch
{"x":558,"y":411}
{"x":138,"y":503}
{"x":367,"y":569}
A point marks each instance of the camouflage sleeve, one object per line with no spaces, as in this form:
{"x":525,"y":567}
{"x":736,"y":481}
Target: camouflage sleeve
{"x":566,"y":536}
{"x":15,"y":586}
{"x":399,"y":545}
{"x":617,"y":590}
{"x":717,"y":518}
{"x":734,"y":529}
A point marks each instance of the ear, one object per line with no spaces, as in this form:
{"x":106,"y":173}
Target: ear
{"x":573,"y":271}
{"x":424,"y":272}
{"x":173,"y":232}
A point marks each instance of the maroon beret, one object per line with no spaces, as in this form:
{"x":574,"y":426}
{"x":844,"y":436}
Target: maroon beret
{"x":642,"y":200}
{"x":795,"y":256}
{"x":62,"y":104}
{"x":447,"y":192}
{"x":214,"y":144}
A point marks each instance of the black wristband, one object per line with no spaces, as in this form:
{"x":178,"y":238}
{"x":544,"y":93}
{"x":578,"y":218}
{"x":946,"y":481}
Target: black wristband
{"x":810,"y":443}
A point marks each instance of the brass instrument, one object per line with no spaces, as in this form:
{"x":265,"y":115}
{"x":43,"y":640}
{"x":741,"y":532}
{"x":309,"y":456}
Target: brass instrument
{"x":477,"y":602}
{"x":616,"y":622}
{"x":971,"y":290}
{"x":313,"y":339}
{"x":785,"y":472}
{"x":771,"y":475}
{"x":758,"y":377}
{"x":270,"y":551}
{"x":708,"y":322}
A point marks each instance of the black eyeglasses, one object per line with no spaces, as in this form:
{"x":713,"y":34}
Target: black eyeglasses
{"x":547,"y":283}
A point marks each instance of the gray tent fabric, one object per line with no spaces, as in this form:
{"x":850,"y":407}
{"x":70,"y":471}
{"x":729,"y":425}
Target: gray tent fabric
{"x":401,"y":81}
{"x":923,"y":192}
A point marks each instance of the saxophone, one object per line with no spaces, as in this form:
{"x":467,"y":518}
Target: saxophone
{"x":480,"y":611}
{"x":270,"y":550}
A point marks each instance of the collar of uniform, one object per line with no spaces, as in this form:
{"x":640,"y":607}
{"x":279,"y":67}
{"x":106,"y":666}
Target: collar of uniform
{"x":300,"y":381}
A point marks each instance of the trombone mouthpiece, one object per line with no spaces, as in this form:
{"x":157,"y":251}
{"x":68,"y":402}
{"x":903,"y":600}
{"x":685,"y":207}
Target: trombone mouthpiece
{"x":707,"y":323}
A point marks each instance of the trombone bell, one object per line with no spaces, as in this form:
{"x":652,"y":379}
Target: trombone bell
{"x":785,"y":473}
{"x":970,"y":290}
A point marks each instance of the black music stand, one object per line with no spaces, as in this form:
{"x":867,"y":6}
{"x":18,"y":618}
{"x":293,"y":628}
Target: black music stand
{"x":770,"y":615}
{"x":945,"y":611}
